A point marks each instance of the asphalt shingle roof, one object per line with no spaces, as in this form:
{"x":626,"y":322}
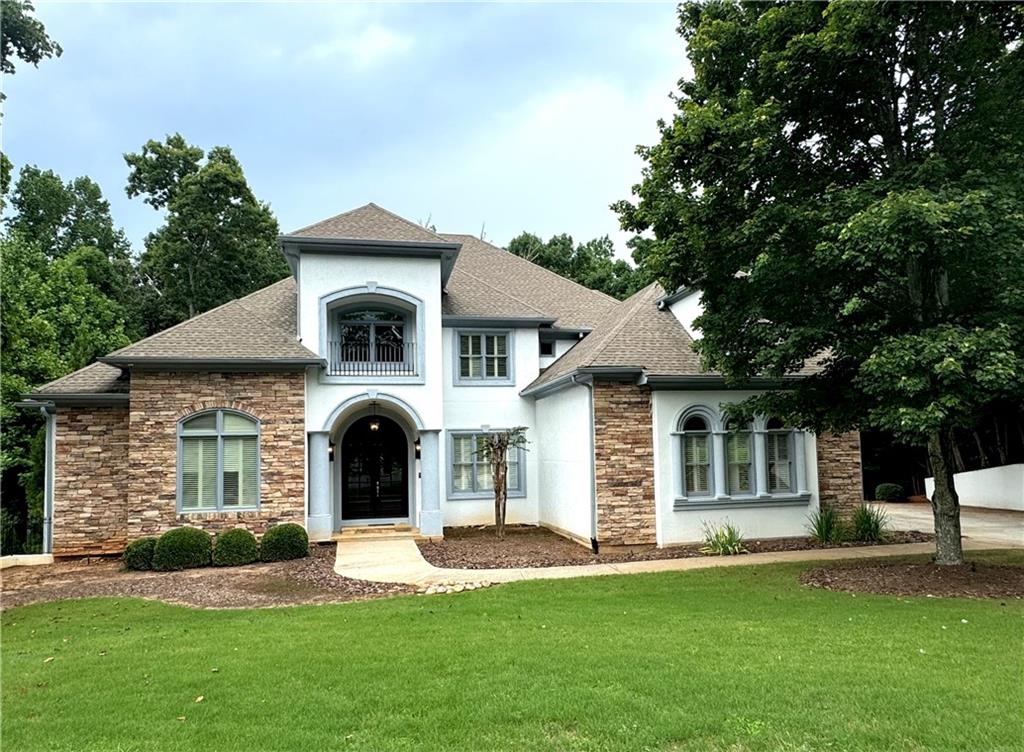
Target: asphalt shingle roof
{"x":96,"y":378}
{"x":483,"y":268}
{"x":370,"y":222}
{"x":259,"y":326}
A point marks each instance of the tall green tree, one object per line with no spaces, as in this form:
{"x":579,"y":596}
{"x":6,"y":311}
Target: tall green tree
{"x":72,"y":221}
{"x":54,"y":322}
{"x":218,"y":243}
{"x":22,"y":37}
{"x":844,"y":181}
{"x":592,"y":264}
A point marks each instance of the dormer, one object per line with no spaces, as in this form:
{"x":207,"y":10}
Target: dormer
{"x":369,"y":286}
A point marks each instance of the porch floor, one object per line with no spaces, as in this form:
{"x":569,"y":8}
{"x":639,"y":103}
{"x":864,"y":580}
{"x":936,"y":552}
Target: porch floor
{"x":400,"y":561}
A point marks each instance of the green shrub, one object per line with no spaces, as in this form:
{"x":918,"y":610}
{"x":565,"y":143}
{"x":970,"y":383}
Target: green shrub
{"x":282,"y":542}
{"x":724,"y":540}
{"x":890,"y":492}
{"x":182,"y":548}
{"x":138,"y":554}
{"x":869,"y":524}
{"x":825,"y":525}
{"x":235,"y":547}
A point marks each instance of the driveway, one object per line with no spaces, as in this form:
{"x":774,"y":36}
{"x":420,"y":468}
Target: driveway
{"x":989,"y":525}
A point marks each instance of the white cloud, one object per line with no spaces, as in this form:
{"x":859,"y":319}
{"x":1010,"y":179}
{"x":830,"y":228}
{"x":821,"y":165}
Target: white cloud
{"x":362,"y":49}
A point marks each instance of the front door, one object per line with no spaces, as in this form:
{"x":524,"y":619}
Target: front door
{"x":374,"y":470}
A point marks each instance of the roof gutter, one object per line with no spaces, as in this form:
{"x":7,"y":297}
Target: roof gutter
{"x":206,"y":364}
{"x":577,"y":375}
{"x":503,"y":321}
{"x":699,"y":383}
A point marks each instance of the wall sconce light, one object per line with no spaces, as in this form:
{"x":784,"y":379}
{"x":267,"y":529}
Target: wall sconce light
{"x":330,"y":452}
{"x":417,"y":446}
{"x":374,"y":422}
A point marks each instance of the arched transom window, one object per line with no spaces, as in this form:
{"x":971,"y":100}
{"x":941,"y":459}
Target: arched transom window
{"x":218,"y":462}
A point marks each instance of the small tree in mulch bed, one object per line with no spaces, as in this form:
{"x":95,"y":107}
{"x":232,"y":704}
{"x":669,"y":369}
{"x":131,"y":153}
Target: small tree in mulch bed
{"x":494,"y":448}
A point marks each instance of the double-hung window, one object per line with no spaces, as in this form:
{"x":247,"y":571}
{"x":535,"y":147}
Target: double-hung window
{"x":471,"y":472}
{"x":696,"y":442}
{"x":739,"y":454}
{"x":484,"y":357}
{"x":218,"y":462}
{"x":778,"y":455}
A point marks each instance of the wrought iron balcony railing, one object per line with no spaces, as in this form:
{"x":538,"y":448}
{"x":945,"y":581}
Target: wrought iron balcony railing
{"x":378,"y":359}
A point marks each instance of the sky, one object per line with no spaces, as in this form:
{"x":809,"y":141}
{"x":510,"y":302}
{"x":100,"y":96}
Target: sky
{"x":498,"y":117}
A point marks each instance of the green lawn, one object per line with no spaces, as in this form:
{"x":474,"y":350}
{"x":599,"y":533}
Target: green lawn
{"x":730,"y":659}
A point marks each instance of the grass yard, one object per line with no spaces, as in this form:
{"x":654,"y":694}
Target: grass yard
{"x":728,"y":659}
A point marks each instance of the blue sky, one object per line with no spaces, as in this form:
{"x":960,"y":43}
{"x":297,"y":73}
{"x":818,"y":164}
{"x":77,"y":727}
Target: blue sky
{"x":512,"y":116}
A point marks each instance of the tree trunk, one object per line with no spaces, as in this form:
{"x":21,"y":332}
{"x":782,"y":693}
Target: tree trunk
{"x":945,"y":502}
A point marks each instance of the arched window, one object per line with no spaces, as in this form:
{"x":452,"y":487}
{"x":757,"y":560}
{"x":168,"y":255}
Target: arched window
{"x":218,"y":462}
{"x":695,"y":434}
{"x":371,"y":334}
{"x":739,"y":453}
{"x":779,"y":456}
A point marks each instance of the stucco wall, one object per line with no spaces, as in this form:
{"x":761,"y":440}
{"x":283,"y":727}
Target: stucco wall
{"x":624,"y":464}
{"x":565,"y":464}
{"x":992,"y":487}
{"x":471,"y":407}
{"x":685,"y":526}
{"x":160,"y":399}
{"x":90,"y":485}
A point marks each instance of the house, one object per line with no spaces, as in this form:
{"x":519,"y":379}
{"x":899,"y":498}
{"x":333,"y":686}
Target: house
{"x":354,"y":392}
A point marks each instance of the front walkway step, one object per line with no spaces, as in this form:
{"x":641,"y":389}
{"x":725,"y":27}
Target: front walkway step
{"x":400,"y":560}
{"x":377,"y":533}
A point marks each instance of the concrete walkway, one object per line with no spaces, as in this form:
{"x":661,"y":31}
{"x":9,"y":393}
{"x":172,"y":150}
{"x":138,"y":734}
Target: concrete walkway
{"x":996,"y":526}
{"x":401,"y":561}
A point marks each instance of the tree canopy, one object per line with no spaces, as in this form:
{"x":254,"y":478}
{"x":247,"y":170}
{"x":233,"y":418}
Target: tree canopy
{"x":592,"y":264}
{"x":22,"y":36}
{"x":218,"y":243}
{"x":844,"y":183}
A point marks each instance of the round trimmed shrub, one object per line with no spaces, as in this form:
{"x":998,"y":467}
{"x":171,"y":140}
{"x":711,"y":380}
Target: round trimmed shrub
{"x":235,"y":547}
{"x":283,"y":542}
{"x":889,"y":492}
{"x":182,"y":548}
{"x":138,"y":554}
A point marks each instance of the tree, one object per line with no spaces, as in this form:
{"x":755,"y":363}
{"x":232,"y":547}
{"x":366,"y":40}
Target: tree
{"x":843,"y":182}
{"x":494,"y":448}
{"x":592,"y":264}
{"x":54,"y":322}
{"x":22,"y":36}
{"x":219,"y":241}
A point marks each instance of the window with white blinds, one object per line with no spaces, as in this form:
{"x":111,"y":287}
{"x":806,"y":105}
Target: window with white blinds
{"x":778,"y":456}
{"x":739,"y":452}
{"x":696,"y":435}
{"x":470,"y":473}
{"x":483,"y":357}
{"x":218,"y":462}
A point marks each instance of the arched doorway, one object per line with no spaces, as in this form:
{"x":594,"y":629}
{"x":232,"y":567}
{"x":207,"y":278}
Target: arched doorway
{"x":374,"y":470}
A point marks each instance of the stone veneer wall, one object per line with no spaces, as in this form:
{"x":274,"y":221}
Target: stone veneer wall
{"x":90,"y":485}
{"x":840,"y":482}
{"x":160,"y":399}
{"x":624,"y":463}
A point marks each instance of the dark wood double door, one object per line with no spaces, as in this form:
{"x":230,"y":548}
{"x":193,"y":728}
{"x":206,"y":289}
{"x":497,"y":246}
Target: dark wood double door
{"x":374,"y":470}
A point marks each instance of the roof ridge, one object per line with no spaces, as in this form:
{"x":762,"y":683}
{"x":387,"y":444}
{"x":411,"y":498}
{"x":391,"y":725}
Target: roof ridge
{"x":197,"y":317}
{"x":403,"y":219}
{"x":507,"y":294}
{"x":538,"y":266}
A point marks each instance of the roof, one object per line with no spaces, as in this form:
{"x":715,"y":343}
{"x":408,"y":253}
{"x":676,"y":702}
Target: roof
{"x":635,"y":334}
{"x":369,"y":222}
{"x":96,"y":378}
{"x":258,"y":327}
{"x":490,"y":281}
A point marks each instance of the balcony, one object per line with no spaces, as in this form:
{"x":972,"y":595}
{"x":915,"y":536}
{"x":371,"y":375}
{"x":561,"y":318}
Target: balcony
{"x":378,"y":359}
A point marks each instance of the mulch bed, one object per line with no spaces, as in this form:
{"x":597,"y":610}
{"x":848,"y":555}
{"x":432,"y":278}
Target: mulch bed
{"x":286,"y":583}
{"x":971,"y":580}
{"x":528,"y":546}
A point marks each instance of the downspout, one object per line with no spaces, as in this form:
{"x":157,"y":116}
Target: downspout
{"x":593,"y":461}
{"x":48,"y":476}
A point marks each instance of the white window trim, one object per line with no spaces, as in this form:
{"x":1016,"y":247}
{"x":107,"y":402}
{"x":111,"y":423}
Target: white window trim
{"x":220,"y":434}
{"x":484,"y":380}
{"x":489,"y":493}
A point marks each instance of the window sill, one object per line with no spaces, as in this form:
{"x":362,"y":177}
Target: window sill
{"x":683,"y":504}
{"x":484,"y":382}
{"x":482,"y":496}
{"x":216,"y":512}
